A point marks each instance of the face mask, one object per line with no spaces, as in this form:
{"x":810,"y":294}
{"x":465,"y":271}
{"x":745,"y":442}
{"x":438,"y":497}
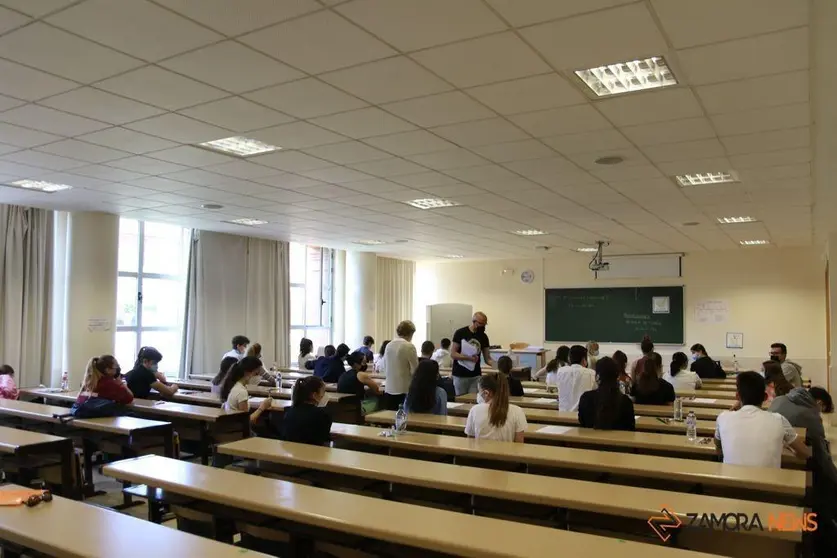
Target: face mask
{"x":480,"y":329}
{"x":594,"y":353}
{"x":363,"y":368}
{"x":774,"y":358}
{"x":480,"y":398}
{"x":323,"y":401}
{"x":694,"y":358}
{"x":153,"y":368}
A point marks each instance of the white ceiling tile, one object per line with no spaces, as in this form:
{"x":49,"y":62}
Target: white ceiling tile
{"x":327,"y":191}
{"x":93,"y":103}
{"x":83,"y":151}
{"x":566,"y":120}
{"x":426,"y":180}
{"x":480,"y":132}
{"x":297,"y":135}
{"x":237,"y":114}
{"x":587,"y":142}
{"x":670,"y":131}
{"x":514,"y":151}
{"x":548,"y":171}
{"x":754,"y":160}
{"x":650,"y":106}
{"x":284,"y":196}
{"x":288,"y":181}
{"x":8,"y":148}
{"x":711,"y":21}
{"x":292,"y":161}
{"x":165,"y":185}
{"x":374,"y":186}
{"x":60,"y":53}
{"x":7,"y":102}
{"x":198,"y":177}
{"x":686,"y":150}
{"x":630,"y":155}
{"x":104,"y":172}
{"x":402,"y":196}
{"x":694,"y":166}
{"x":346,"y":153}
{"x":232,"y":67}
{"x":242,"y":169}
{"x":535,"y":11}
{"x":127,"y":140}
{"x":18,"y":170}
{"x":528,"y":94}
{"x":318,"y":43}
{"x":26,"y":83}
{"x":762,"y":120}
{"x":36,"y":9}
{"x":24,"y":137}
{"x":139,"y":28}
{"x":146,"y":165}
{"x":363,"y":123}
{"x":767,"y":141}
{"x":392,"y":79}
{"x":414,"y":24}
{"x":179,"y":128}
{"x":779,"y":172}
{"x":437,"y":110}
{"x":410,"y":143}
{"x":484,"y":60}
{"x":388,"y":167}
{"x":49,"y":120}
{"x":337,"y":175}
{"x":306,"y":98}
{"x":576,"y":42}
{"x":750,"y":94}
{"x":42,"y":160}
{"x":239,"y":186}
{"x":482,"y":173}
{"x":775,"y":53}
{"x":246,"y":16}
{"x":448,"y":159}
{"x":11,"y":20}
{"x":191,"y":156}
{"x":161,"y":88}
{"x":450,"y":190}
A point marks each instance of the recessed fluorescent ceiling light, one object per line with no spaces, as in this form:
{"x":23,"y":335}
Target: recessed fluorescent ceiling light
{"x":369,"y":242}
{"x":731,"y":220}
{"x":241,"y":146}
{"x":752,"y":242}
{"x":248,"y":222}
{"x":586,"y":249}
{"x":40,"y":185}
{"x":706,"y":178}
{"x":624,"y":77}
{"x":454,"y":256}
{"x":528,"y":232}
{"x":431,"y":203}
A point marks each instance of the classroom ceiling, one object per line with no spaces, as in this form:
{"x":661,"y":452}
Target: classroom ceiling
{"x":378,"y":102}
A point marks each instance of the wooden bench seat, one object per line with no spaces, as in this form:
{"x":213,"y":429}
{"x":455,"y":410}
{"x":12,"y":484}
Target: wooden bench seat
{"x":23,"y":451}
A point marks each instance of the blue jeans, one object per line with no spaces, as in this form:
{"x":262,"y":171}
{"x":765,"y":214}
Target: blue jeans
{"x":464,"y":385}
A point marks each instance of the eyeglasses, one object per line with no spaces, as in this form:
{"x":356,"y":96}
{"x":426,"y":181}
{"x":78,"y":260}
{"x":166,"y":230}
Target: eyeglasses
{"x":36,"y":499}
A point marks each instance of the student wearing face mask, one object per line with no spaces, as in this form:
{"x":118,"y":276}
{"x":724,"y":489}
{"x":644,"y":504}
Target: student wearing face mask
{"x":494,"y":418}
{"x":792,"y":370}
{"x":703,"y":365}
{"x":684,"y":381}
{"x":307,"y":422}
{"x":466,"y":368}
{"x":145,"y":375}
{"x":239,"y":347}
{"x":355,"y":380}
{"x":234,"y":387}
{"x":592,"y":354}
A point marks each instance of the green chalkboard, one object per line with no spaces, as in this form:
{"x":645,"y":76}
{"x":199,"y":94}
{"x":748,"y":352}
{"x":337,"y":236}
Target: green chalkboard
{"x":615,"y":315}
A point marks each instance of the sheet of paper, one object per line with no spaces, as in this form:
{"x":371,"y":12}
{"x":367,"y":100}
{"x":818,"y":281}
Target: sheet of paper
{"x":454,"y":405}
{"x":467,"y":349}
{"x":544,"y":401}
{"x":531,"y":390}
{"x":704,"y":400}
{"x":555,"y":429}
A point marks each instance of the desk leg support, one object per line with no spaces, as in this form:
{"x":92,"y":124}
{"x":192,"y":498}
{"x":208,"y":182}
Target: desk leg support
{"x":70,"y":486}
{"x":88,"y":448}
{"x":206,"y":446}
{"x":168,"y":441}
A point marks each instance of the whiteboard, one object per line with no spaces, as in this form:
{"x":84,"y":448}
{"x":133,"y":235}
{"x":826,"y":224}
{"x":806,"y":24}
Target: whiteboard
{"x":635,"y":267}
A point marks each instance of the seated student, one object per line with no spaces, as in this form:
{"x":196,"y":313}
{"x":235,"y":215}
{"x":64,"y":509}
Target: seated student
{"x":306,"y":422}
{"x":218,"y":380}
{"x":306,"y":353}
{"x":823,"y":399}
{"x":562,"y":356}
{"x":801,"y":410}
{"x":792,"y":370}
{"x":649,"y":388}
{"x":101,"y":381}
{"x":8,"y":387}
{"x":262,"y":377}
{"x":551,"y":367}
{"x":145,"y":375}
{"x":330,"y":369}
{"x":328,"y":352}
{"x":752,"y":436}
{"x":427,"y":349}
{"x":703,"y":364}
{"x":495,"y":418}
{"x":606,"y":407}
{"x":355,"y":379}
{"x":592,"y":354}
{"x":621,"y":360}
{"x":446,"y":383}
{"x":681,"y":379}
{"x":239,"y":347}
{"x":647,"y":347}
{"x":424,"y":395}
{"x":366,"y":349}
{"x":380,"y":362}
{"x":234,"y":388}
{"x":774,"y":378}
{"x":573,"y":380}
{"x":505,"y":365}
{"x":442,"y":354}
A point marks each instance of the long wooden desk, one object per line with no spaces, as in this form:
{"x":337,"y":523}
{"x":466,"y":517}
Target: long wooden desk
{"x":689,"y":472}
{"x":575,"y":436}
{"x":574,"y":495}
{"x":71,"y":529}
{"x":22,"y":445}
{"x":543,"y":400}
{"x":419,"y":527}
{"x":202,"y":425}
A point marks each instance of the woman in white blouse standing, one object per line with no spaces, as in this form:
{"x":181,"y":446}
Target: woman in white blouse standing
{"x":680,"y":377}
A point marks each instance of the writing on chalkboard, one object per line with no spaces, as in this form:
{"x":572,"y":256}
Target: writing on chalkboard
{"x":643,"y":323}
{"x":577,"y":302}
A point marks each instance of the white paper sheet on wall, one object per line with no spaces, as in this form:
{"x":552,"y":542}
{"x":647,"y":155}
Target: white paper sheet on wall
{"x":711,"y":311}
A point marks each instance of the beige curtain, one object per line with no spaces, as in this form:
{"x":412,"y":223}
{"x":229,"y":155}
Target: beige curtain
{"x":394,"y":295}
{"x":236,"y":285}
{"x":26,"y":246}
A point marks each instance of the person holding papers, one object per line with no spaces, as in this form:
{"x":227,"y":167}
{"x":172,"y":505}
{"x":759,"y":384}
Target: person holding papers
{"x":574,"y":380}
{"x":469,"y":343}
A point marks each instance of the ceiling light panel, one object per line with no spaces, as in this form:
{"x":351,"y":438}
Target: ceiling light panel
{"x":40,"y":185}
{"x":586,"y":249}
{"x":369,"y":242}
{"x":734,"y":220}
{"x":240,"y":146}
{"x":752,"y":242}
{"x":528,"y":232}
{"x":431,"y":203}
{"x":248,"y":222}
{"x":701,"y":179}
{"x":629,"y":76}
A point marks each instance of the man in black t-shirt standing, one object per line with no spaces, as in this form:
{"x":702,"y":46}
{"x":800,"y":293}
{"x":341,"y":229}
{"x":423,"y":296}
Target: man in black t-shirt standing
{"x":465,"y":379}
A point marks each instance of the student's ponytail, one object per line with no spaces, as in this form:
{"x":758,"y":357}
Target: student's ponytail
{"x":304,"y":388}
{"x":678,"y":363}
{"x":498,"y":407}
{"x":96,"y":368}
{"x":236,"y":372}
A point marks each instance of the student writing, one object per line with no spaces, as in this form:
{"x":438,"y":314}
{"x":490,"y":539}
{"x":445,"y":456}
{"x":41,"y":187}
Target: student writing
{"x":355,"y":380}
{"x":496,"y":418}
{"x":145,"y":375}
{"x":234,"y":388}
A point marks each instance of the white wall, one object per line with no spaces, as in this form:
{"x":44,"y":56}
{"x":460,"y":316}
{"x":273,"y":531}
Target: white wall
{"x":773,"y":295}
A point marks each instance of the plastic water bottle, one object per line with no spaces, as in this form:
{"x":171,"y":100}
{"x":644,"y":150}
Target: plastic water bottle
{"x":691,"y":426}
{"x":65,"y":381}
{"x":401,"y":420}
{"x":678,"y":409}
{"x":735,"y":363}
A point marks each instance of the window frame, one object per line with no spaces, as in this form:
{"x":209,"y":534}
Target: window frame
{"x":326,"y":295}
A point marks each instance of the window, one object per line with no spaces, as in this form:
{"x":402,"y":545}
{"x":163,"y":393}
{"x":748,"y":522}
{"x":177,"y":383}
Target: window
{"x":311,"y":274}
{"x":151,"y":291}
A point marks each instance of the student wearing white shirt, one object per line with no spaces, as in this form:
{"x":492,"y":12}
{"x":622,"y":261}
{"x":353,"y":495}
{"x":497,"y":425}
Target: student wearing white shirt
{"x":495,"y":418}
{"x":401,"y":360}
{"x":380,"y":363}
{"x":442,"y":354}
{"x":239,"y":347}
{"x":234,"y":389}
{"x":680,"y":377}
{"x":573,"y":380}
{"x":306,"y":352}
{"x":752,"y":436}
